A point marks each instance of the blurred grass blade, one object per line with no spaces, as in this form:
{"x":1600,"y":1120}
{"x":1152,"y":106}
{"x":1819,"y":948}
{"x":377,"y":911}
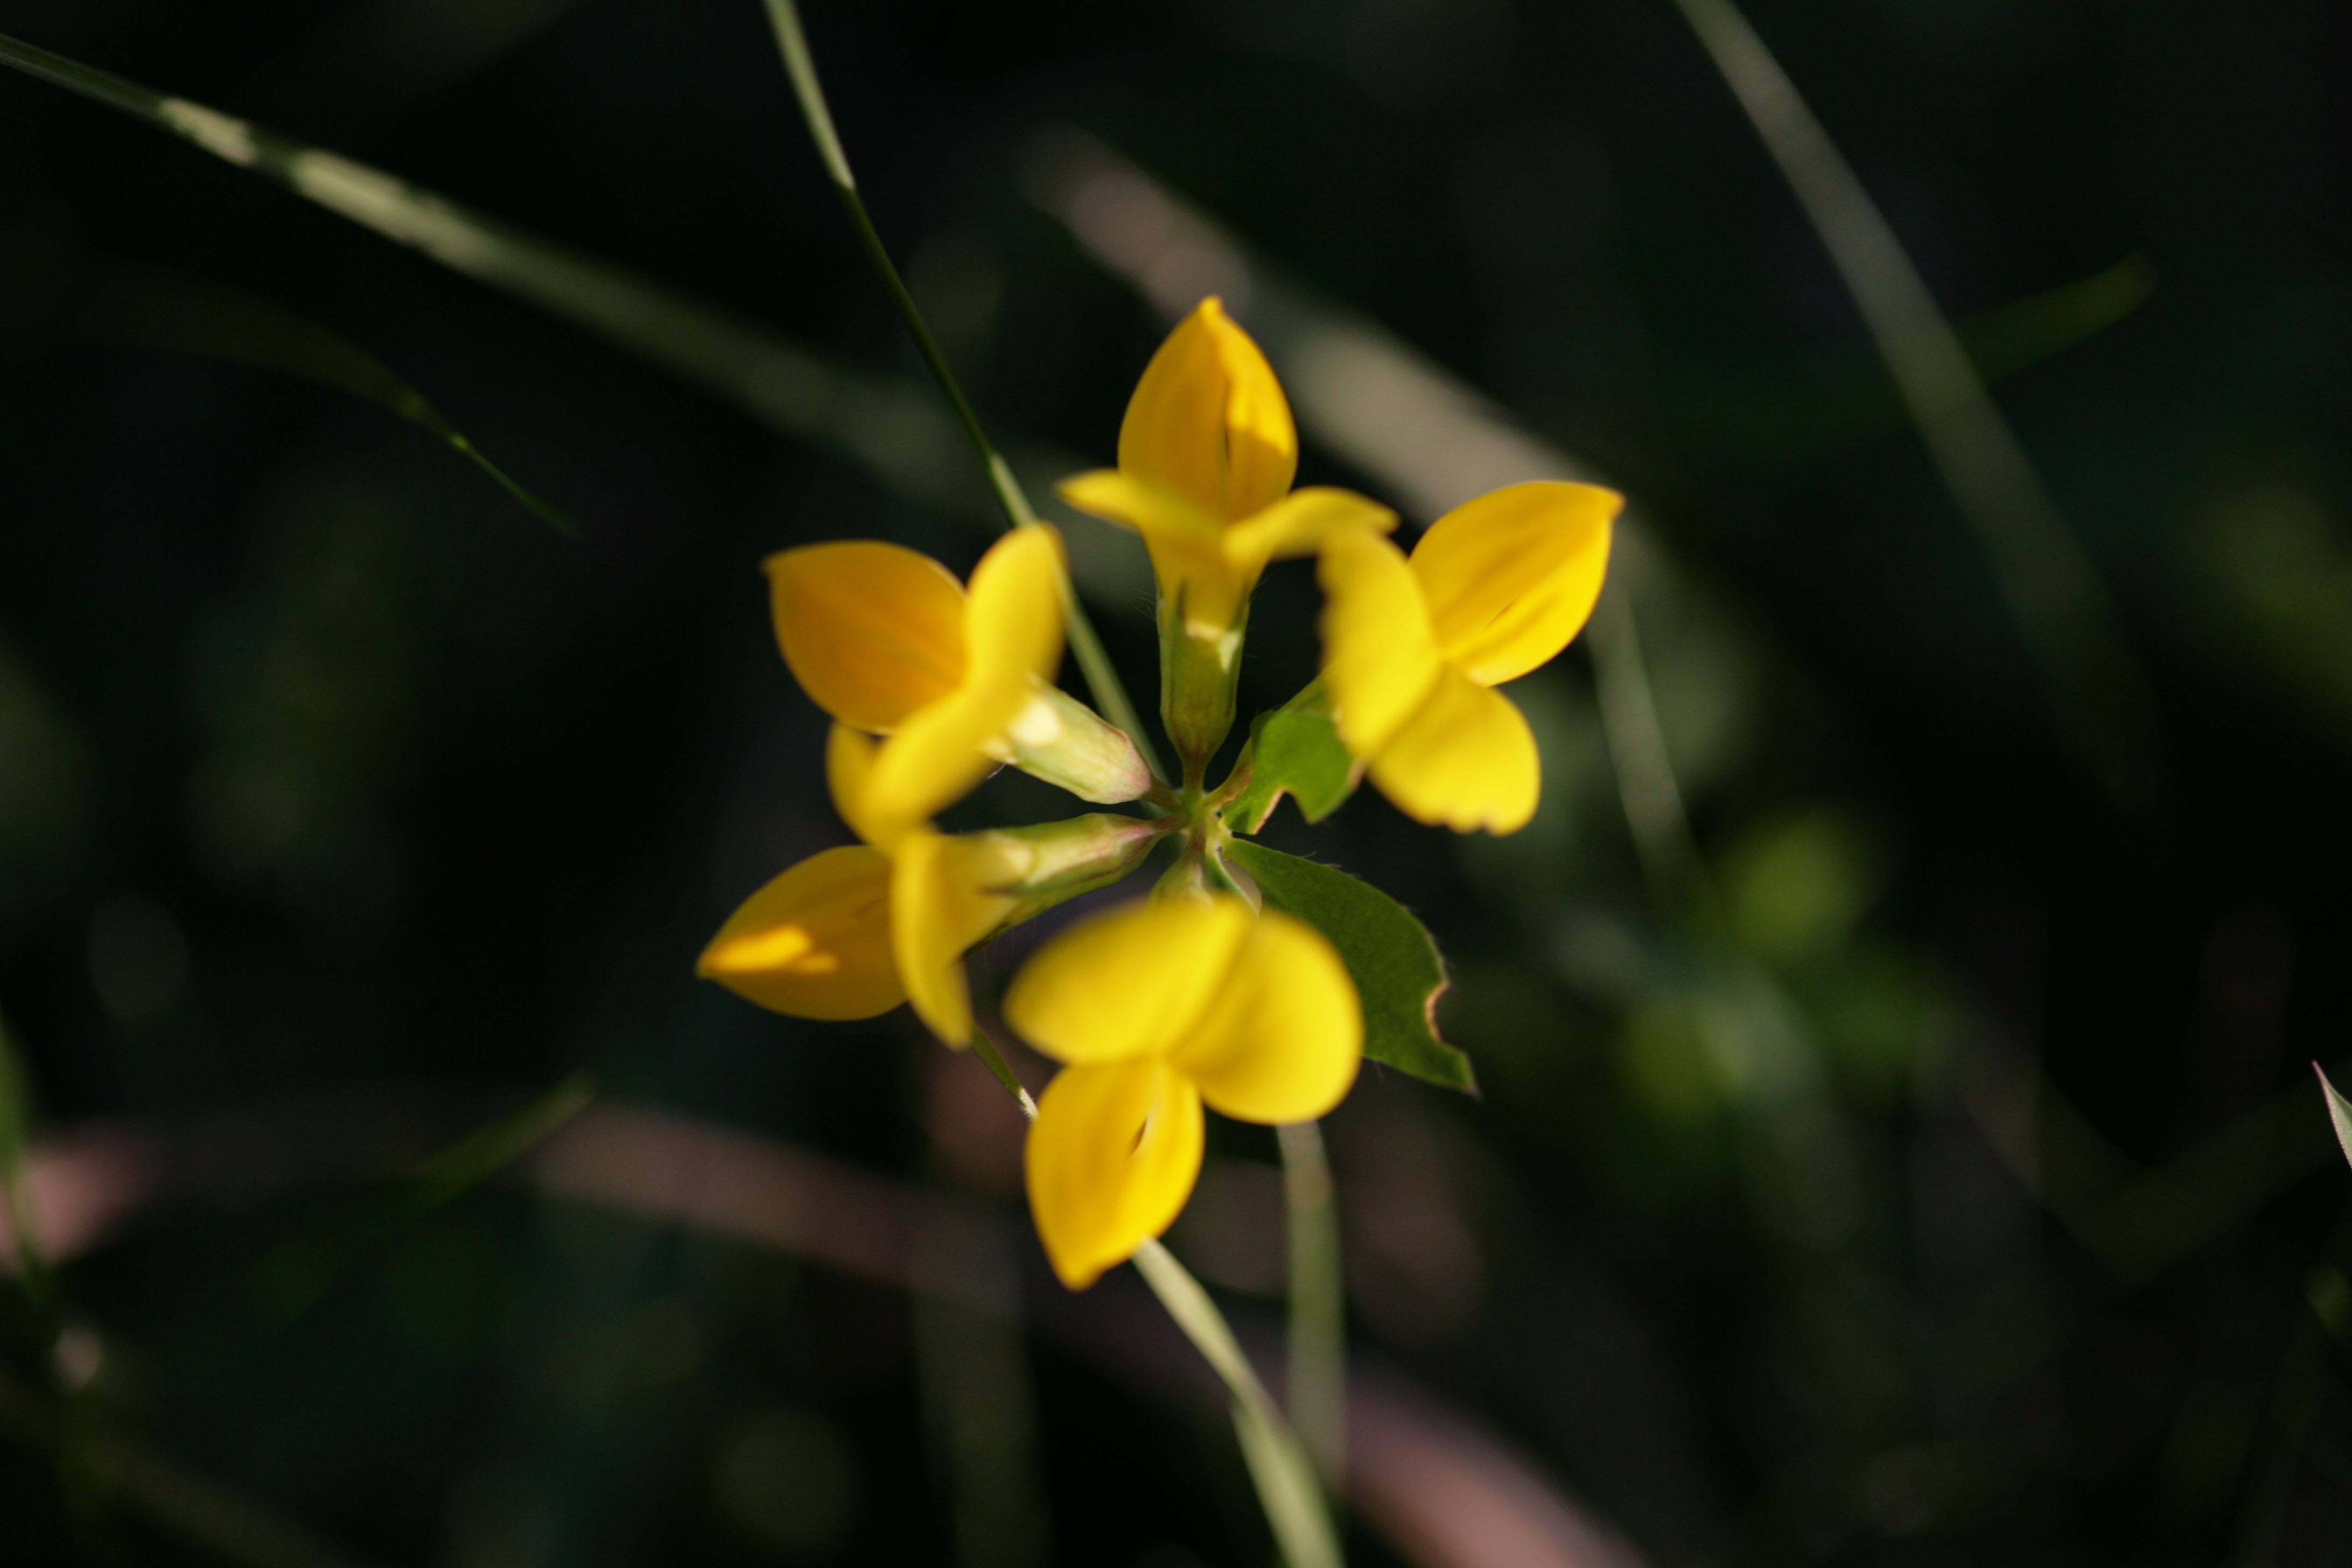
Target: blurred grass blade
{"x":294,"y":1275}
{"x":150,"y":309}
{"x":223,"y":1525}
{"x":2009,"y":339}
{"x":1102,"y":679}
{"x":1794,"y":414}
{"x":483,"y":1152}
{"x":2102,"y":708}
{"x":2339,"y":1112}
{"x":885,"y":425}
{"x":1316,"y":1386}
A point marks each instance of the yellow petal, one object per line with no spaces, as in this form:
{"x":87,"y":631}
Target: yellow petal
{"x":1209,"y":421}
{"x":1282,"y":1041}
{"x":1128,"y":982}
{"x":934,"y":760}
{"x":1510,"y":577}
{"x":872,"y":631}
{"x":814,"y":942}
{"x":1300,"y":521}
{"x":938,"y":909}
{"x":1112,"y":1157}
{"x":1188,"y":545}
{"x":1465,"y":760}
{"x":848,"y":763}
{"x":1380,"y":657}
{"x":1012,"y":628}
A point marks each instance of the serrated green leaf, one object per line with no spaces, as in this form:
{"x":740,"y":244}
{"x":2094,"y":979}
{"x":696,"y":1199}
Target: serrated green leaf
{"x":1395,"y":965}
{"x":1293,"y":751}
{"x":2339,"y":1112}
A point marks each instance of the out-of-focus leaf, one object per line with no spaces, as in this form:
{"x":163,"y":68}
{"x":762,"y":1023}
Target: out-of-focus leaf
{"x":2339,"y":1112}
{"x":1389,"y":954}
{"x":1294,"y":750}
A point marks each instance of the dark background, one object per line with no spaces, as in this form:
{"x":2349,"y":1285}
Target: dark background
{"x":324,"y":764}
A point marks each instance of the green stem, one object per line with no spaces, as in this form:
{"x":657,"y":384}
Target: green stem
{"x":1318,"y":1388}
{"x":1278,"y":1463}
{"x":1279,"y":1466}
{"x":1102,"y":680}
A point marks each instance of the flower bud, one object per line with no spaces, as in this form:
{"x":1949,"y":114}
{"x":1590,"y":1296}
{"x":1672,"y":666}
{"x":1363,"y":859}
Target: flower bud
{"x":1061,"y":740}
{"x":1045,"y":864}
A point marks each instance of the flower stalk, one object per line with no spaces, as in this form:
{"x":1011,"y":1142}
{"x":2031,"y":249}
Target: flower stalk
{"x":1102,"y":680}
{"x":1318,"y":1384}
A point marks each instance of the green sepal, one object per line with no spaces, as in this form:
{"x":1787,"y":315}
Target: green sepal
{"x":1294,"y":750}
{"x":1397,"y":973}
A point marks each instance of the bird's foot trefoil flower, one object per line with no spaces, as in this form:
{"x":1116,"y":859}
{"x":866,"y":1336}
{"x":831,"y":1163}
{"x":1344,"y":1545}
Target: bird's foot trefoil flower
{"x":887,"y":642}
{"x":851,"y":933}
{"x":1206,"y":456}
{"x":1154,"y":1009}
{"x":1412,"y":647}
{"x":1235,"y":986}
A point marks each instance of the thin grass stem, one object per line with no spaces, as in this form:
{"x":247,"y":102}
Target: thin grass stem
{"x":800,"y":64}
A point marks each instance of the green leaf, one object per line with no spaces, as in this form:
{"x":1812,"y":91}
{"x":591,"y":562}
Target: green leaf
{"x":1293,"y":751}
{"x":1395,"y":965}
{"x":2339,"y":1112}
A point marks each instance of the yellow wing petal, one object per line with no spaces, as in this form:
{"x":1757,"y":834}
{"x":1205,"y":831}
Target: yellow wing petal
{"x":1512,"y":576}
{"x":1284,"y":1037}
{"x":1300,"y":521}
{"x":1128,"y":982}
{"x":934,"y":760}
{"x":814,"y":942}
{"x":1209,"y":420}
{"x":1012,"y":626}
{"x":1111,"y":1159}
{"x":1380,"y":658}
{"x":848,"y":763}
{"x":1465,"y":760}
{"x":872,"y":631}
{"x":1188,"y":545}
{"x":938,"y":909}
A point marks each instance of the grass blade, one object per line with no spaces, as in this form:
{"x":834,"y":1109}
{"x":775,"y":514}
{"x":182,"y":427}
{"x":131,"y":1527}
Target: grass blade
{"x":150,"y":308}
{"x":2101,"y":703}
{"x":1102,"y":679}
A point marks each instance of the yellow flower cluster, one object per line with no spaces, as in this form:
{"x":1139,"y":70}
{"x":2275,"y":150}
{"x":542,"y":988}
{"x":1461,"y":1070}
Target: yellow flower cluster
{"x":1196,"y":997}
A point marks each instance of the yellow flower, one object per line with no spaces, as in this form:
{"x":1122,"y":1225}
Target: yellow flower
{"x":815,"y":941}
{"x":1206,"y":456}
{"x":852,"y":932}
{"x":1154,"y":1008}
{"x":1411,"y":649}
{"x":886,"y":641}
